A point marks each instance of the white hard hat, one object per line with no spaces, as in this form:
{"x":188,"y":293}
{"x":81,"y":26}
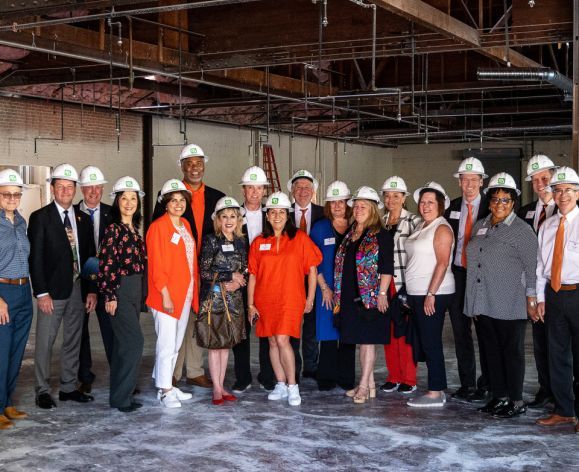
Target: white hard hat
{"x":432,"y":186}
{"x":502,"y":180}
{"x":126,"y":184}
{"x":227,"y":202}
{"x":564,"y":175}
{"x":471,"y":165}
{"x":172,"y":185}
{"x":278,"y":200}
{"x":191,"y":150}
{"x":366,"y":193}
{"x":538,"y":163}
{"x":395,"y":184}
{"x":11,"y":177}
{"x":254,"y":176}
{"x":337,"y":190}
{"x":302,"y":174}
{"x":63,"y":171}
{"x":91,"y":175}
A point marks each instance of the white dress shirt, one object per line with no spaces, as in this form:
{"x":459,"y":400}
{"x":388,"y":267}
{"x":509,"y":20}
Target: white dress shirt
{"x":96,"y":220}
{"x":549,"y":211}
{"x":462,"y":224}
{"x":547,"y":234}
{"x":298,"y":216}
{"x":254,"y":221}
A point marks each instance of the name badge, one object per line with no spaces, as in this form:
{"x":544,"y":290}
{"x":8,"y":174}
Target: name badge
{"x":176,"y":238}
{"x":455,"y":215}
{"x":329,"y":241}
{"x":530,"y":214}
{"x":264,"y":247}
{"x":482,"y":231}
{"x":227,"y":248}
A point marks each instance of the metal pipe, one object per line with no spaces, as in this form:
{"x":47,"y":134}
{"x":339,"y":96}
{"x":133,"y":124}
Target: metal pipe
{"x":373,"y":7}
{"x":528,"y":74}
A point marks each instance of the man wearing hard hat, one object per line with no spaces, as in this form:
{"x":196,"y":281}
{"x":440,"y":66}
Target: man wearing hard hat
{"x":303,"y":186}
{"x":61,"y":241}
{"x":91,"y":182}
{"x":192,"y":162}
{"x":539,"y":172}
{"x":462,"y":214}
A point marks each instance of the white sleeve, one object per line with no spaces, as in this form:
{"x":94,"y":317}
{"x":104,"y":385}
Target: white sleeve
{"x":541,"y":280}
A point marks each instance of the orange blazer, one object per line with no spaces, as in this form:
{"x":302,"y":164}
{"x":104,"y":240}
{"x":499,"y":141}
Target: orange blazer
{"x":168,"y":266}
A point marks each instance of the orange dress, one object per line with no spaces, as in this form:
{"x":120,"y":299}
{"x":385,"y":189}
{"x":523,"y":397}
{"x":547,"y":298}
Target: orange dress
{"x":280,"y":294}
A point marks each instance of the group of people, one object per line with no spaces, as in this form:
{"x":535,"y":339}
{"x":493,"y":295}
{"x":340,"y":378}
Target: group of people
{"x":315,"y":282}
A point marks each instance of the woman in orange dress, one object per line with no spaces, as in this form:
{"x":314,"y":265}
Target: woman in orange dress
{"x":278,"y":261}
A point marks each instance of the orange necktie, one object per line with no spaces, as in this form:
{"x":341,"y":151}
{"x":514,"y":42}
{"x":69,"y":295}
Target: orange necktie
{"x":467,"y":233}
{"x":558,"y":256}
{"x":303,"y":221}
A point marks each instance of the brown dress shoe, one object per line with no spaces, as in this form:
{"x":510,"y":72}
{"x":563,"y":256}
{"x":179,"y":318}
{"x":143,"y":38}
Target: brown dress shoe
{"x":577,"y":428}
{"x":202,"y":381}
{"x":5,"y":423}
{"x":85,"y":388}
{"x":13,"y":414}
{"x":554,"y":419}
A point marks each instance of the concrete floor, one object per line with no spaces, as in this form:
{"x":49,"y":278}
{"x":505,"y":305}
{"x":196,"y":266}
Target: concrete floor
{"x":327,"y":432}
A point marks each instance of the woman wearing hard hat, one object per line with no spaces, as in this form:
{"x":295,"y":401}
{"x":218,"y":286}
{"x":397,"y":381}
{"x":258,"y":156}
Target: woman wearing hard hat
{"x":278,"y":260}
{"x":222,"y":266}
{"x":172,"y":286}
{"x":121,"y":267}
{"x":336,"y":365}
{"x":398,"y":352}
{"x":430,"y":286}
{"x":500,"y":291}
{"x":363,"y":271}
{"x":15,"y":294}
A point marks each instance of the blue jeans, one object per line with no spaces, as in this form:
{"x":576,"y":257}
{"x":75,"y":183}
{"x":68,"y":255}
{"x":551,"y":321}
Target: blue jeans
{"x":13,"y":338}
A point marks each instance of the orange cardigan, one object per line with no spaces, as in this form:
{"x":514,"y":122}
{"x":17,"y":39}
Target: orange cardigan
{"x":168,"y":266}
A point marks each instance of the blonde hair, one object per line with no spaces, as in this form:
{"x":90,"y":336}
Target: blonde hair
{"x":217,"y":227}
{"x":375,"y":221}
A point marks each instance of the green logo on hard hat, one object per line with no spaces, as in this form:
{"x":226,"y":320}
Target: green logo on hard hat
{"x":561,"y":176}
{"x":274,"y":201}
{"x":301,"y":172}
{"x":336,"y":192}
{"x":253,"y":177}
{"x":12,"y":178}
{"x":174,"y":185}
{"x":501,"y":180}
{"x":129,"y":183}
{"x":393,"y":184}
{"x":535,"y":166}
{"x":92,"y":177}
{"x":193,"y":150}
{"x":469,"y":167}
{"x":228,"y":202}
{"x":67,"y":172}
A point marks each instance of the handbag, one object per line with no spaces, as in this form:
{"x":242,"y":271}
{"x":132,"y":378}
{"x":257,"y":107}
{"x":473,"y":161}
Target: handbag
{"x":214,"y":325}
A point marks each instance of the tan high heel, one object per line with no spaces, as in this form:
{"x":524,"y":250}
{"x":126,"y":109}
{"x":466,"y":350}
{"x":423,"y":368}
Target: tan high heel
{"x":372,"y":390}
{"x":351,"y":393}
{"x":360,"y":397}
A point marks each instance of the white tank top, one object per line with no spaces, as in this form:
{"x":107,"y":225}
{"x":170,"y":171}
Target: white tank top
{"x":421,"y":260}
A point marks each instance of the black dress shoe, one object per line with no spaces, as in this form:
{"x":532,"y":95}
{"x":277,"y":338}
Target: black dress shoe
{"x":463,"y":393}
{"x":75,"y":396}
{"x":494,"y":405}
{"x":137,"y":405}
{"x":541,"y":401}
{"x":45,"y":401}
{"x":128,"y":409}
{"x":85,"y":387}
{"x":325,"y":385}
{"x":510,"y":410}
{"x":478,"y":396}
{"x":309,"y":374}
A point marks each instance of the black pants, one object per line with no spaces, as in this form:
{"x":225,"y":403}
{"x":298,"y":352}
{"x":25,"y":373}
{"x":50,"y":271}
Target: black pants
{"x":241,"y":356}
{"x":562,"y":321}
{"x":541,"y":353}
{"x":310,"y":349}
{"x":429,"y":329}
{"x":337,"y":364}
{"x":505,"y":353}
{"x":463,"y":342}
{"x":128,"y":342}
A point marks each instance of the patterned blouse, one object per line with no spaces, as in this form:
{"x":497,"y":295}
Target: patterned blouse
{"x":122,"y":253}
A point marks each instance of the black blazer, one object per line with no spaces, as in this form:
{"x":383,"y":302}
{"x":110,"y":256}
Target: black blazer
{"x":244,"y":227}
{"x":211,"y":197}
{"x":317,"y":213}
{"x":106,"y":218}
{"x":456,"y":205}
{"x":50,"y":255}
{"x":524,"y":210}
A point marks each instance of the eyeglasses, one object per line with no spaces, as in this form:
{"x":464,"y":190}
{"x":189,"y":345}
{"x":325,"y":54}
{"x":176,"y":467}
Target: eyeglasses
{"x":504,"y":201}
{"x":564,"y":191}
{"x":11,"y":196}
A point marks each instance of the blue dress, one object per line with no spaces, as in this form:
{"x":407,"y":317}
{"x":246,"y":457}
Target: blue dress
{"x":327,"y":239}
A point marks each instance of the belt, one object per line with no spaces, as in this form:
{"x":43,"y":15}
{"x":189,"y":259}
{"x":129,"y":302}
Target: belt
{"x":21,"y":281}
{"x":567,"y":287}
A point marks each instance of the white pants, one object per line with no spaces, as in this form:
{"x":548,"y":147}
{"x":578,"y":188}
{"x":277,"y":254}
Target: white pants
{"x":170,"y":334}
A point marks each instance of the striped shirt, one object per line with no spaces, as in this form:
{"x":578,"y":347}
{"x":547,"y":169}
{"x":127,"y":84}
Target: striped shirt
{"x":501,"y":270}
{"x":14,"y":247}
{"x":407,"y":223}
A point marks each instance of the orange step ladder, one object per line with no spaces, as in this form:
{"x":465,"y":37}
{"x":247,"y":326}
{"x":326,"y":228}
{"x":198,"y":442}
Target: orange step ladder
{"x":270,"y":169}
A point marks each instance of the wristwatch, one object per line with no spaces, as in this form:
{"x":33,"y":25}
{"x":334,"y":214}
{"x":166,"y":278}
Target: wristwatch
{"x":532,"y":303}
{"x":430,"y":294}
{"x":382,"y":293}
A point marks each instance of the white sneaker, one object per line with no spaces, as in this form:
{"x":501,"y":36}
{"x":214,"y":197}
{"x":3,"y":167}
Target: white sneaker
{"x":181,"y":396}
{"x":169,"y":399}
{"x":293,"y":397}
{"x":279,"y":392}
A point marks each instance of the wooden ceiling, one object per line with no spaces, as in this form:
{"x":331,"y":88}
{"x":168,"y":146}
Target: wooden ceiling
{"x":388,"y":72}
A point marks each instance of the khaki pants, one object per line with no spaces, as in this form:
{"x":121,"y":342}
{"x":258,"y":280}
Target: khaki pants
{"x":190,"y":354}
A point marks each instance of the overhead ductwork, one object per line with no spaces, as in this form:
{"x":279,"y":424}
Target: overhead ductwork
{"x":529,"y":74}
